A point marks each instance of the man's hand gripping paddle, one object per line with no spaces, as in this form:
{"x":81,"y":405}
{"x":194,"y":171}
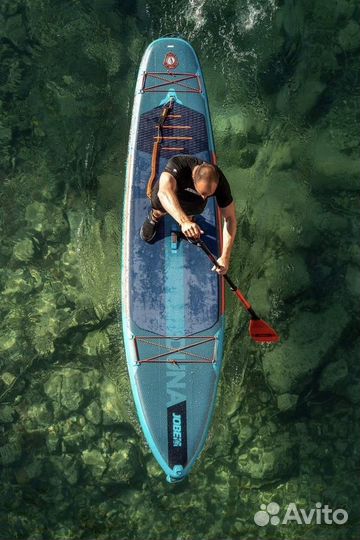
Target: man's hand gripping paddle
{"x":259,"y":330}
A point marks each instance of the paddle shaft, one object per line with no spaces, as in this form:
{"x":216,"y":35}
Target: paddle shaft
{"x":227,"y":278}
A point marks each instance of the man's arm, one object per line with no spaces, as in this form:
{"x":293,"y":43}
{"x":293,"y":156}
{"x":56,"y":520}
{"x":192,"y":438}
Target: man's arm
{"x":229,"y":232}
{"x":169,"y":200}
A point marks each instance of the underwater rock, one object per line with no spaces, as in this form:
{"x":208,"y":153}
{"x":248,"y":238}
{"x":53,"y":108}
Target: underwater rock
{"x":53,"y":439}
{"x":108,"y":52}
{"x":332,"y":374}
{"x":66,"y":466}
{"x":332,"y":169}
{"x":98,"y":268}
{"x":352,"y":280}
{"x":290,"y":366}
{"x":351,"y":391}
{"x":96,"y":342}
{"x":287,"y":209}
{"x":8,"y":340}
{"x":37,"y":415}
{"x":35,"y":215}
{"x":7,"y":414}
{"x":264,"y":464}
{"x":287,"y":275}
{"x":246,"y":158}
{"x":154,"y":470}
{"x":11,"y":451}
{"x":47,"y":219}
{"x":287,"y":402}
{"x":348,"y":37}
{"x":77,"y":433}
{"x":30,"y":471}
{"x":69,"y":258}
{"x":307,"y":96}
{"x":66,"y":388}
{"x":95,"y":462}
{"x":93,"y":413}
{"x":44,"y":344}
{"x":112,"y":404}
{"x":259,"y":292}
{"x":222,"y":482}
{"x":7,"y":378}
{"x":245,"y":432}
{"x":16,"y":283}
{"x":24,"y":250}
{"x":281,"y":157}
{"x":14,"y":30}
{"x":123,"y":464}
{"x":239,"y":126}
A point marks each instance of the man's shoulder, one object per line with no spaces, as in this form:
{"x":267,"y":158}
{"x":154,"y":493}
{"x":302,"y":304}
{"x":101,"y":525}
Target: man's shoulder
{"x":185,"y":160}
{"x":181,"y":165}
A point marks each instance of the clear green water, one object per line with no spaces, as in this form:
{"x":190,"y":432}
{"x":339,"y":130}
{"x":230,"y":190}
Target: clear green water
{"x":282,"y":79}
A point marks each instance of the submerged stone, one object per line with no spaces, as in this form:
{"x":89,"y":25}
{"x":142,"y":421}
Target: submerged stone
{"x":332,"y":374}
{"x":277,"y":460}
{"x":35,"y":215}
{"x":112,"y":404}
{"x":30,"y":471}
{"x":66,"y":466}
{"x":7,"y":378}
{"x":286,"y":210}
{"x":16,"y":283}
{"x":52,"y":440}
{"x":66,"y":388}
{"x":46,"y":219}
{"x":123,"y":464}
{"x":8,"y":340}
{"x":246,"y":158}
{"x":287,"y":402}
{"x":11,"y":451}
{"x":352,"y":280}
{"x":95,"y":462}
{"x":7,"y":414}
{"x":96,"y":342}
{"x":290,"y":366}
{"x":24,"y":250}
{"x":287,"y":275}
{"x":93,"y":413}
{"x":349,"y":37}
{"x":38,"y":415}
{"x":352,"y":392}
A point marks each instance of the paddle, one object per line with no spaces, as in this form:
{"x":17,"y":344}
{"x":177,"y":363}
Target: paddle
{"x":259,"y":330}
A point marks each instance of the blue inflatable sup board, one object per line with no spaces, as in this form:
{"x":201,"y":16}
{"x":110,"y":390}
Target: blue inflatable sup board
{"x":172,"y":304}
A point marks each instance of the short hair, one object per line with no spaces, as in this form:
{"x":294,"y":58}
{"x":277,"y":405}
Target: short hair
{"x":202,"y":173}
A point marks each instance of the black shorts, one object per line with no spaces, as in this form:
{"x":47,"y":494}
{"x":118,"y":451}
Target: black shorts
{"x":190,"y":208}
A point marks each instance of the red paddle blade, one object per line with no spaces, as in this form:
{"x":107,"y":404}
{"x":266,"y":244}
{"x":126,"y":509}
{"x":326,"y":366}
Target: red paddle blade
{"x":261,"y":332}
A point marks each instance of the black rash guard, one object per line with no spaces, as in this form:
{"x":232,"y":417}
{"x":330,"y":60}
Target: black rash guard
{"x":181,"y":167}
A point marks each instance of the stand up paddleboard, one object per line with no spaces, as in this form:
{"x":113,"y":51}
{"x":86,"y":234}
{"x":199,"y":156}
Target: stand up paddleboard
{"x":172,"y":304}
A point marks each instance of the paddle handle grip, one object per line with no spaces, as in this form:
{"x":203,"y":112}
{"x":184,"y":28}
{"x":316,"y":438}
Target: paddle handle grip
{"x":232,"y":285}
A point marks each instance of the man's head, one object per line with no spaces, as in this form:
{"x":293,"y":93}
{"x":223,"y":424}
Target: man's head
{"x":206,"y":179}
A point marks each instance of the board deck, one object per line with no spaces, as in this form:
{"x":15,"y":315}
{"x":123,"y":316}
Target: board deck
{"x":172,"y":304}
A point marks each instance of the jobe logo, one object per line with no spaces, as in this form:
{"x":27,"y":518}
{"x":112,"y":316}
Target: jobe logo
{"x":176,"y":424}
{"x":175,"y":384}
